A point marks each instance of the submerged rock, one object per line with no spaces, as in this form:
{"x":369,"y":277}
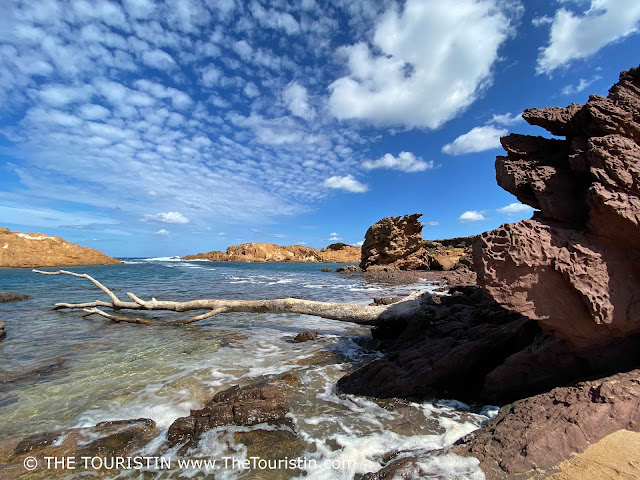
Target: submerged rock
{"x":107,"y":439}
{"x":13,"y":297}
{"x":326,"y":269}
{"x":3,"y":333}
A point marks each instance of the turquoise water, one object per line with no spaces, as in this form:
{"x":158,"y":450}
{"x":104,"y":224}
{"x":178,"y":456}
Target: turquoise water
{"x":61,"y":370}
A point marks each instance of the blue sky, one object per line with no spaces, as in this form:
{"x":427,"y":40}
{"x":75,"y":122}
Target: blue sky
{"x":146,"y":129}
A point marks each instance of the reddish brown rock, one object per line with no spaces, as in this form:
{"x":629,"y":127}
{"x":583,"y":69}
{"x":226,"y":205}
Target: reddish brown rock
{"x":575,"y":267}
{"x":29,"y":250}
{"x":307,"y":336}
{"x":539,"y":432}
{"x":397,"y":243}
{"x":250,"y":405}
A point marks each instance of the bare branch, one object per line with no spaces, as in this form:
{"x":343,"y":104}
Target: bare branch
{"x":115,"y":301}
{"x":97,"y":311}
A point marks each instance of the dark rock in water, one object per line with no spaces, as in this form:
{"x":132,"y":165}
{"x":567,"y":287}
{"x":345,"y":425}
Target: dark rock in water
{"x":348,"y":269}
{"x":249,"y":405}
{"x":129,"y":435}
{"x":7,"y":400}
{"x":305,"y":336}
{"x":466,"y":346}
{"x":271,"y":444}
{"x":42,"y":372}
{"x":13,"y":297}
{"x":105,"y":439}
{"x":3,"y":332}
{"x":326,"y":269}
{"x":36,"y":441}
{"x":541,"y":431}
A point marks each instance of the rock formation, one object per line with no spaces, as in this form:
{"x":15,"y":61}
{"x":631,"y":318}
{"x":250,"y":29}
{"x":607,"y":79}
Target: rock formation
{"x":534,"y":433}
{"x":575,"y":267}
{"x":397,"y":243}
{"x":29,"y":250}
{"x":269,"y":252}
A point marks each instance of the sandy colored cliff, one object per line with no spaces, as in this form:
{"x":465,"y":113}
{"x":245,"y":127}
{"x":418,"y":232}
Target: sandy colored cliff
{"x":269,"y":252}
{"x":29,"y":250}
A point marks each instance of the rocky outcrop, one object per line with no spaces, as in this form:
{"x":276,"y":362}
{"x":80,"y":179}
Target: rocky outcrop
{"x":574,"y":267}
{"x":269,"y":252}
{"x":540,"y":431}
{"x":30,"y":250}
{"x":340,"y":253}
{"x":397,"y":243}
{"x":3,"y":333}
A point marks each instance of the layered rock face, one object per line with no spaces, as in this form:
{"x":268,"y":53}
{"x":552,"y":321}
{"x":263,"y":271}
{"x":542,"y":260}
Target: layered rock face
{"x":397,"y":243}
{"x":269,"y":252}
{"x":574,"y":267}
{"x":29,"y":250}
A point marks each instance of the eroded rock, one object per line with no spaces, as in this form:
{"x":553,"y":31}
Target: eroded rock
{"x":397,"y":243}
{"x":575,"y":267}
{"x":540,"y":431}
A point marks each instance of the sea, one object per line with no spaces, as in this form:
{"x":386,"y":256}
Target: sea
{"x":89,"y":369}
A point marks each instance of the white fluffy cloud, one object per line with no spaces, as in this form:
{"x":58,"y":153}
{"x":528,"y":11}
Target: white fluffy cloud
{"x":577,"y":36}
{"x":163,"y":233}
{"x":166,"y":217}
{"x":405,"y":162}
{"x":477,"y":139}
{"x":334,"y":237}
{"x":515,"y":209}
{"x":297,"y":101}
{"x":347,"y":183}
{"x":434,"y":58}
{"x":471,"y":216}
{"x":506,"y":119}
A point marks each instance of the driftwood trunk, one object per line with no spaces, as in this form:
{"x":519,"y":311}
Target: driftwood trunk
{"x":344,"y":312}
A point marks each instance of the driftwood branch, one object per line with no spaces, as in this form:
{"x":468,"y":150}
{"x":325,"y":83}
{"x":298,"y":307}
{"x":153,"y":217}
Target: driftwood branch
{"x":344,"y":312}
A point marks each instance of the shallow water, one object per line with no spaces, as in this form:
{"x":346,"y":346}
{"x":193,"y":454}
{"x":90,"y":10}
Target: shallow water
{"x":61,"y":370}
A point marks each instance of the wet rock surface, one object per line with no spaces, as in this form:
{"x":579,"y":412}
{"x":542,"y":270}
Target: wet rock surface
{"x":307,"y":336}
{"x":3,"y":332}
{"x":540,"y":431}
{"x":13,"y":297}
{"x":397,"y":243}
{"x":261,"y":402}
{"x":583,"y":246}
{"x":106,"y":439}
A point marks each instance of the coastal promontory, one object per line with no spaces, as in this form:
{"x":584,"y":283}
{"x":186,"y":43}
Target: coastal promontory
{"x":269,"y":252}
{"x":29,"y":250}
